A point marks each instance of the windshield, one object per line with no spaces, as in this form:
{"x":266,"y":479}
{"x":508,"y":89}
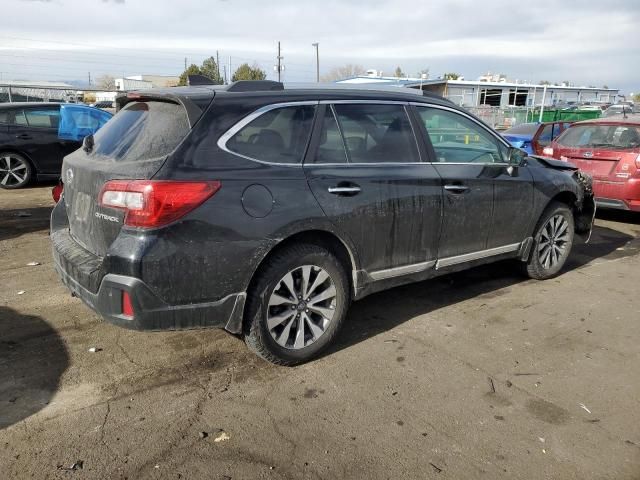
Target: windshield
{"x":523,"y":129}
{"x":614,"y":137}
{"x":142,"y":131}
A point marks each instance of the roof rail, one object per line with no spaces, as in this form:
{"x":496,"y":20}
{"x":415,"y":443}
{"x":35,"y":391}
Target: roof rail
{"x":254,"y":86}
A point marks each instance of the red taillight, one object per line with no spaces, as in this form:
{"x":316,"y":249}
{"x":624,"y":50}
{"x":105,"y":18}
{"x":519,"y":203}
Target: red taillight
{"x":547,"y":152}
{"x":638,"y":162}
{"x":56,"y":192}
{"x":127,"y":308}
{"x":154,"y":203}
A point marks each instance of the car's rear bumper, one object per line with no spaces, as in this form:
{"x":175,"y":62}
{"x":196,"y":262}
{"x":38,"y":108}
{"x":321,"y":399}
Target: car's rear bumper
{"x":624,"y":195}
{"x":79,"y":271}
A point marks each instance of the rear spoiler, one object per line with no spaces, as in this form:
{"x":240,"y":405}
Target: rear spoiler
{"x":194,"y":102}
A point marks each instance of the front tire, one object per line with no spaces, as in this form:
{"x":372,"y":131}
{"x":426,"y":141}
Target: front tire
{"x":296,"y":305}
{"x":15,"y":171}
{"x":552,"y":242}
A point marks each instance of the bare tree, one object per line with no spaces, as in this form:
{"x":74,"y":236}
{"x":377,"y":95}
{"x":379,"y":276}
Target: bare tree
{"x":340,"y":73}
{"x":106,"y":82}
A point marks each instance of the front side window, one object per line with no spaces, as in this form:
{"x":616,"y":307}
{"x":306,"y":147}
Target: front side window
{"x":279,"y":135}
{"x":44,"y":118}
{"x":457,"y":139}
{"x":377,"y":133}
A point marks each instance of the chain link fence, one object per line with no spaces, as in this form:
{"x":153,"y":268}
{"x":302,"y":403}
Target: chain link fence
{"x":11,"y":93}
{"x":502,"y":118}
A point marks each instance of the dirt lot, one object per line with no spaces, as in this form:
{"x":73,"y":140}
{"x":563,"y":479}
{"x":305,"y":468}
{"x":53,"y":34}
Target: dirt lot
{"x":481,"y":374}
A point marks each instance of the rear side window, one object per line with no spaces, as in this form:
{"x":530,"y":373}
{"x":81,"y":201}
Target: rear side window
{"x":377,"y":133}
{"x":4,"y":116}
{"x":279,"y":135}
{"x":142,"y":131}
{"x":546,"y":136}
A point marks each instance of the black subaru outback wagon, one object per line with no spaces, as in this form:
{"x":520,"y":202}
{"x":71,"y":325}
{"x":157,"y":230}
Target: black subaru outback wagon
{"x":266,"y":211}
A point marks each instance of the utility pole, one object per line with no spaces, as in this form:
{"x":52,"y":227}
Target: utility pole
{"x":279,"y":67}
{"x":89,"y":78}
{"x":217,"y":66}
{"x":317,"y":61}
{"x":230,"y":75}
{"x":224,"y":69}
{"x":185,"y":63}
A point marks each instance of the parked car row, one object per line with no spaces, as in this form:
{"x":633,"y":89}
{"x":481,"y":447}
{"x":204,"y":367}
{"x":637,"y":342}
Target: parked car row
{"x":608,"y":149}
{"x":533,"y":137}
{"x":35,"y":137}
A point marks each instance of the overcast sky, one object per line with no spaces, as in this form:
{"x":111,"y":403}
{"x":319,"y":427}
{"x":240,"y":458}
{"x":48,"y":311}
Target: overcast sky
{"x":583,"y":41}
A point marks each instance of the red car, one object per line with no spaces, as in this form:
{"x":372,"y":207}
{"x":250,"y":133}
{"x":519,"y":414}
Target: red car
{"x":608,"y":149}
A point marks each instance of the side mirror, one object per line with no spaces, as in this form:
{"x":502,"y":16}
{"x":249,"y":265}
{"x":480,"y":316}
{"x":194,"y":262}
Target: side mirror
{"x":516,"y":156}
{"x":87,"y":143}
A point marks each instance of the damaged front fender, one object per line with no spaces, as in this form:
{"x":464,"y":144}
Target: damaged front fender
{"x":585,"y":208}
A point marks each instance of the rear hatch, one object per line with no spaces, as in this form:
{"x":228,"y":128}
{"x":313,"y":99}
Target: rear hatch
{"x":134,"y":144}
{"x":607,"y":152}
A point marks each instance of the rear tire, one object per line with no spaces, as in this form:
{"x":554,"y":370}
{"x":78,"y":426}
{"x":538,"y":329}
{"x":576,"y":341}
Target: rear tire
{"x":296,"y":305}
{"x":552,"y":242}
{"x":15,"y":171}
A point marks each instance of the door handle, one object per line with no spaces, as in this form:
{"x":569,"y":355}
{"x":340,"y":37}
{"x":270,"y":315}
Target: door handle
{"x":346,"y":191}
{"x":456,"y":188}
{"x":24,"y":136}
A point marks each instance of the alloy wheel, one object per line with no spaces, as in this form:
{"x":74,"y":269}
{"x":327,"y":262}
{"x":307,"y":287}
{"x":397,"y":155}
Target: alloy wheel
{"x":554,"y":237}
{"x":13,"y":171}
{"x":301,"y":307}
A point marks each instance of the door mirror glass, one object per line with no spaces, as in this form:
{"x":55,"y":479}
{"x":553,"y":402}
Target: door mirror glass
{"x":516,"y":156}
{"x":87,"y":143}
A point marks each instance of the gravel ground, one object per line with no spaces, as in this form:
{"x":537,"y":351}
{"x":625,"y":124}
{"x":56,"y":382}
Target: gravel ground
{"x":481,"y":374}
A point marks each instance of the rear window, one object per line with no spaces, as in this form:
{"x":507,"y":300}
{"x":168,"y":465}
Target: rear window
{"x":615,"y":137}
{"x":523,"y":129}
{"x":142,"y":131}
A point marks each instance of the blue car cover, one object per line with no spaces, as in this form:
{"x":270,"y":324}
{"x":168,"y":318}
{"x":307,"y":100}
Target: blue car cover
{"x":79,"y":121}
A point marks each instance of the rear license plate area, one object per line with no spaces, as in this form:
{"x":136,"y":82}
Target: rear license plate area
{"x":81,"y":207}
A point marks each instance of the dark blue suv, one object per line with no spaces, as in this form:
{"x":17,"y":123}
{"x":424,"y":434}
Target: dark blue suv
{"x":266,"y":211}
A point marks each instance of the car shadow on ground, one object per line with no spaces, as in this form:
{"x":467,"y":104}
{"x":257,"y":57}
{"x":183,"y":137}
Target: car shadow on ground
{"x":622,"y":216}
{"x":33,"y":358}
{"x":383,"y":311}
{"x":17,"y":222}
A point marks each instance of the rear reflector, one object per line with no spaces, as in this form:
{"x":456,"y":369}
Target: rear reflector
{"x":154,"y":203}
{"x":56,"y":192}
{"x":127,"y":308}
